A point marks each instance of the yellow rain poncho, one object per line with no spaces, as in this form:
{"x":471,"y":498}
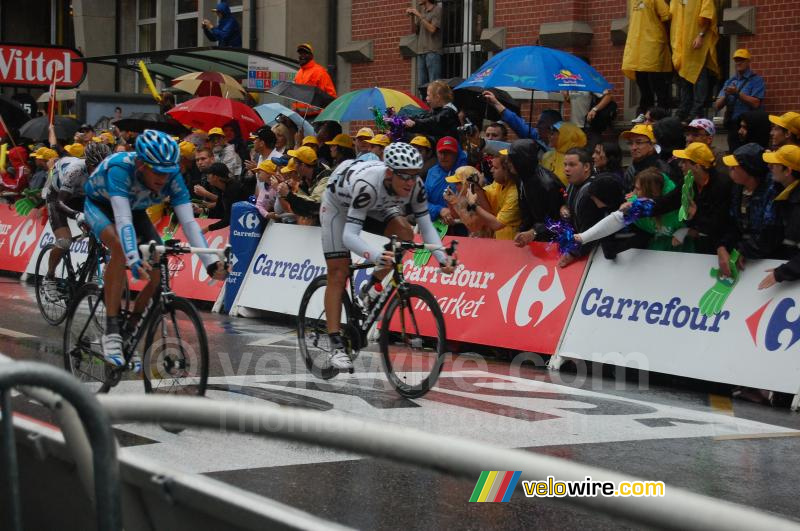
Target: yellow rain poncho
{"x":569,"y":136}
{"x":685,"y":26}
{"x":647,"y":45}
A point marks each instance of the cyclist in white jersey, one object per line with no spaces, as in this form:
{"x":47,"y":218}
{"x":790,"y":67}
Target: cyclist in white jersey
{"x":362,"y":190}
{"x":64,"y":200}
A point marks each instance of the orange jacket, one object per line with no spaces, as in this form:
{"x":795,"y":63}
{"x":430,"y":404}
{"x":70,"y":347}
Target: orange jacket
{"x":313,"y":73}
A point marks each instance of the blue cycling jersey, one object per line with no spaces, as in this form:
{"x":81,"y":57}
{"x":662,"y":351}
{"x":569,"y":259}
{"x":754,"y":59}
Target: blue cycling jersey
{"x":116,"y":176}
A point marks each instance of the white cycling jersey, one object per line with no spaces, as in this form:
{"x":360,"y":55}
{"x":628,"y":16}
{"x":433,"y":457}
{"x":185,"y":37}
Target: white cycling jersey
{"x":357,"y":189}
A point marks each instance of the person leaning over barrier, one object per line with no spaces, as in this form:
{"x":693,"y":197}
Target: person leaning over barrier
{"x":755,"y":230}
{"x":784,"y":166}
{"x":313,"y":180}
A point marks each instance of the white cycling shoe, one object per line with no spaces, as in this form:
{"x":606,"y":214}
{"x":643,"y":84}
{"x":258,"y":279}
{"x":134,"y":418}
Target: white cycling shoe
{"x":338,"y":359}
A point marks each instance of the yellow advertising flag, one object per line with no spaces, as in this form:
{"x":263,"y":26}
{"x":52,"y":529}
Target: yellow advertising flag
{"x":149,"y":81}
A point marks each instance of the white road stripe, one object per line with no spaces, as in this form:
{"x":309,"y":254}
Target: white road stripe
{"x":13,"y":333}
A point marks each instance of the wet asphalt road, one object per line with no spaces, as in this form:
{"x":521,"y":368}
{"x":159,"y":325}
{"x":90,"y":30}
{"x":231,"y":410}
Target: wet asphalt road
{"x":685,"y":433}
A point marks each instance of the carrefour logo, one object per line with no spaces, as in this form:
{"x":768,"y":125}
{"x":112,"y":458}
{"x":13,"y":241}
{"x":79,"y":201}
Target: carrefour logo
{"x":778,"y":328}
{"x":23,"y":238}
{"x":530,"y":293}
{"x":248,"y":221}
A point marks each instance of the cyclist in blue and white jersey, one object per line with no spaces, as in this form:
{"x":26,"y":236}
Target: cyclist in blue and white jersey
{"x":117,"y":196}
{"x":65,"y":196}
{"x":370,"y":195}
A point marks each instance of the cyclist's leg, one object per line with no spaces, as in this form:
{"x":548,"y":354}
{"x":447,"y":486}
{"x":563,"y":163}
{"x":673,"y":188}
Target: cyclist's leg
{"x":337,"y":280}
{"x":58,"y":222}
{"x":394,"y":224}
{"x":337,"y":259}
{"x":100,"y":221}
{"x":145,"y":232}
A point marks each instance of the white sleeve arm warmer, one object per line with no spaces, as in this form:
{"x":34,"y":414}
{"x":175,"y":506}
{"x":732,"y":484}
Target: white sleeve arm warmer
{"x":123,"y":219}
{"x":607,"y":226}
{"x":192,"y":230}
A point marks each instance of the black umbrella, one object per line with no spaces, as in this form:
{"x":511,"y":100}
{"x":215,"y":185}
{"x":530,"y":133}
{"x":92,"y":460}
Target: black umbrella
{"x":38,"y":128}
{"x":303,"y":93}
{"x":14,"y":114}
{"x":469,"y":99}
{"x":139,"y":121}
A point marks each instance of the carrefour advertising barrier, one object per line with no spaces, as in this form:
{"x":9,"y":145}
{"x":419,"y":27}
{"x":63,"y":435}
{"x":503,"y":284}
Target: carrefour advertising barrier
{"x":18,"y":238}
{"x":246,"y":230}
{"x":646,"y":310}
{"x":500,"y":295}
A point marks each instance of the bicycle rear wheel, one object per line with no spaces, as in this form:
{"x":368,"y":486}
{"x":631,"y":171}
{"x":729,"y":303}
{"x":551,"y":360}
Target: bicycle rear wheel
{"x":312,"y":328}
{"x":54,"y":302}
{"x":83,"y":351}
{"x":412,"y":340}
{"x":176,"y":351}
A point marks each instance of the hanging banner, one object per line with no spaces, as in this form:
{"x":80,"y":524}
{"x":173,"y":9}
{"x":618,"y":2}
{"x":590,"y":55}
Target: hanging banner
{"x":37,"y":66}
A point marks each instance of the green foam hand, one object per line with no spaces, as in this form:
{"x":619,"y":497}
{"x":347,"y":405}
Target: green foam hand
{"x":421,"y":256}
{"x":713,"y":300}
{"x":24,"y":206}
{"x":687,"y":196}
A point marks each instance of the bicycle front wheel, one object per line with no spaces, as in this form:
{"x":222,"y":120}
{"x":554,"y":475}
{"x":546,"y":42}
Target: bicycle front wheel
{"x":176,"y":351}
{"x":83,"y":350}
{"x":53,"y":298}
{"x":312,"y":328}
{"x":412,"y":341}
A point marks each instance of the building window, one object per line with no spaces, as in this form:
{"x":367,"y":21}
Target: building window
{"x":462,"y":23}
{"x":147,"y":24}
{"x":186,"y":24}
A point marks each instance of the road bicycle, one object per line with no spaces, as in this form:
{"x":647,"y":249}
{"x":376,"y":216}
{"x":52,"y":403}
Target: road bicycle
{"x":411,"y":333}
{"x":174,"y":350}
{"x":54,"y":303}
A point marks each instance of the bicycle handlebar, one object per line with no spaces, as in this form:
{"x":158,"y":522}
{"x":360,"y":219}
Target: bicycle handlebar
{"x":175,"y":247}
{"x":400,"y":245}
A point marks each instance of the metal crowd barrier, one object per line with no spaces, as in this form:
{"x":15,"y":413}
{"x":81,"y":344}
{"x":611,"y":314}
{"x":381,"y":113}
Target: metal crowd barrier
{"x":678,"y":509}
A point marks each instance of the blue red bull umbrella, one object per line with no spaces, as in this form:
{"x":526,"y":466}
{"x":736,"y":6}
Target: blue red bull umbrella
{"x":537,"y":68}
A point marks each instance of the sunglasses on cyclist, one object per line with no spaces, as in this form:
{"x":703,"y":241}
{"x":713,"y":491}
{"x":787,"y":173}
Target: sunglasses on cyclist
{"x":406,"y":176}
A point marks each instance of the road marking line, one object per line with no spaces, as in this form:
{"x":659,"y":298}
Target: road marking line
{"x":269,"y":340}
{"x":15,"y":334}
{"x":721,"y":404}
{"x":756,"y":436}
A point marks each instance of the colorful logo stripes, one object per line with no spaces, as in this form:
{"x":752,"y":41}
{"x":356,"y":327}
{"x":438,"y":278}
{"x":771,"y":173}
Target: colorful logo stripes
{"x":495,"y":486}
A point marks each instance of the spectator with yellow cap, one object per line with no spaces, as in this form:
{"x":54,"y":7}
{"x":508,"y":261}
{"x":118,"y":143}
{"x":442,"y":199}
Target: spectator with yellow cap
{"x":341,"y":149}
{"x":785,"y":130}
{"x":189,"y":170}
{"x":753,"y":227}
{"x":642,"y":143}
{"x":468,"y":179}
{"x":784,"y":166}
{"x":362,"y":147}
{"x":313,"y":177}
{"x":425,"y":147}
{"x":310,"y":141}
{"x":224,"y":152}
{"x":708,"y":212}
{"x":503,"y":215}
{"x":74,"y":150}
{"x":377,"y":144}
{"x":265,"y":202}
{"x":314,"y":74}
{"x":263,"y":149}
{"x":743,"y":92}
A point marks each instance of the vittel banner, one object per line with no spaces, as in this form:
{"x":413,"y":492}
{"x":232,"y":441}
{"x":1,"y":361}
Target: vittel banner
{"x":36,"y":66}
{"x":672,"y":313}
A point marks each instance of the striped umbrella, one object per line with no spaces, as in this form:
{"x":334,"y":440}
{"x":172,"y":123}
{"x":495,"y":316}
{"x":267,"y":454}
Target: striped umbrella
{"x":358,"y":105}
{"x":210,"y":84}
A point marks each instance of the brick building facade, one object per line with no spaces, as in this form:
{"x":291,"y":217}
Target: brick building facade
{"x":593,"y":28}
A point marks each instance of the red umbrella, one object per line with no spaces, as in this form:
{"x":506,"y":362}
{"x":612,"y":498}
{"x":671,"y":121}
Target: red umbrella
{"x":213,"y":111}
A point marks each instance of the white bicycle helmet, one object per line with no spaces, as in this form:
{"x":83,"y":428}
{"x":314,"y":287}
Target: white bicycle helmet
{"x":402,"y":156}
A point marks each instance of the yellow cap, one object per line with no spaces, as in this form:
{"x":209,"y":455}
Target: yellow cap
{"x":789,"y":121}
{"x":97,"y":139}
{"x":341,"y":140}
{"x":267,"y":166}
{"x":306,"y":46}
{"x":216,"y":131}
{"x":503,"y":152}
{"x":310,"y":140}
{"x":34,"y":154}
{"x":788,"y":155}
{"x":380,"y":140}
{"x":463,"y":174}
{"x":187,"y":148}
{"x":421,"y":141}
{"x":741,"y":53}
{"x":640,"y":129}
{"x":697,"y":152}
{"x":75,"y":150}
{"x":365,"y":132}
{"x":304,"y":154}
{"x":107,"y":137}
{"x":46,"y":154}
{"x":292,"y":166}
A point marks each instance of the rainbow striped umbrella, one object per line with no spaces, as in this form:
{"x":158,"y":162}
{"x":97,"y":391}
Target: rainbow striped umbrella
{"x":358,"y":104}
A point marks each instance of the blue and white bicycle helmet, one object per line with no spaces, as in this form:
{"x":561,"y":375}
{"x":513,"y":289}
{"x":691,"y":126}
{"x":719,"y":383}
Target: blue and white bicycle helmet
{"x":159,"y":150}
